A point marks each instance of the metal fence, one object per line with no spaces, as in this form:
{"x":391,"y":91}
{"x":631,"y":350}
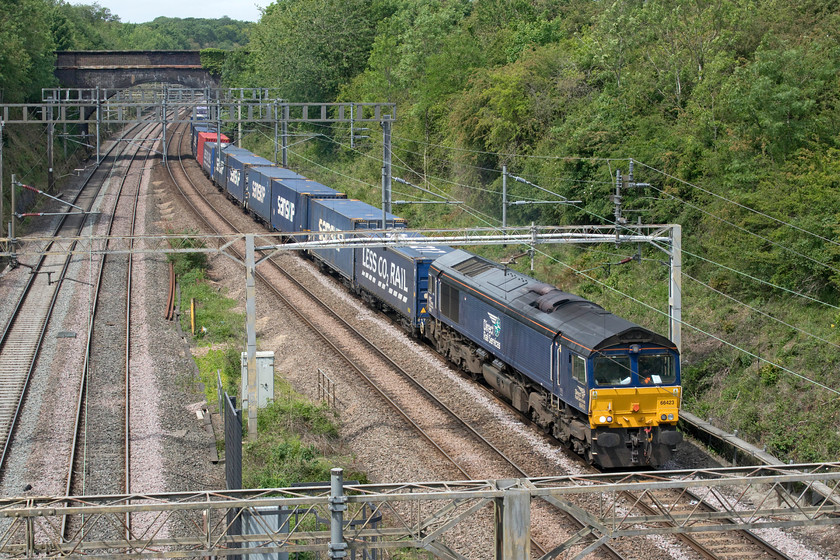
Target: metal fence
{"x":327,"y":389}
{"x":262,"y":520}
{"x":220,"y":393}
{"x":233,"y":461}
{"x":233,"y":444}
{"x":420,"y":515}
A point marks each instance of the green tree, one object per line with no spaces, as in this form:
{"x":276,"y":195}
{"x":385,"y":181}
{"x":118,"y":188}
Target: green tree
{"x":84,"y":27}
{"x":186,"y":33}
{"x":309,"y":48}
{"x":787,"y":98}
{"x":26,"y":49}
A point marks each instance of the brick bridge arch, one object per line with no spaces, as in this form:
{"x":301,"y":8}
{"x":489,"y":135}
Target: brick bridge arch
{"x":123,"y":69}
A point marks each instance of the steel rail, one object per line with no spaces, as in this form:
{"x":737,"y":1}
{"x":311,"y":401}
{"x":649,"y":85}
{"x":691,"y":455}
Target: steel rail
{"x":330,"y":343}
{"x":699,"y":542}
{"x":313,"y":327}
{"x":169,"y":312}
{"x":23,"y":298}
{"x":83,"y":386}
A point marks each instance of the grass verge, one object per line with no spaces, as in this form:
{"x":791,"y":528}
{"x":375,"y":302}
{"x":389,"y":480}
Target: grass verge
{"x":298,"y":440}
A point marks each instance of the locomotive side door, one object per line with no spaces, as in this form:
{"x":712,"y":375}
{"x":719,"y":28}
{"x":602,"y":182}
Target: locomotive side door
{"x":557,"y":356}
{"x":433,"y":298}
{"x":571,"y":385}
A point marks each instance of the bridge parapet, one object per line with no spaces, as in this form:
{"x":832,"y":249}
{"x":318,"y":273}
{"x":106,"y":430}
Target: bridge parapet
{"x":126,"y":59}
{"x":124,"y":69}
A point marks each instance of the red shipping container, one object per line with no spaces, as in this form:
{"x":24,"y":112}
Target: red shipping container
{"x":206,"y":137}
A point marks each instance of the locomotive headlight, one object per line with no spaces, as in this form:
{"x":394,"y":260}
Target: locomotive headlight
{"x":609,"y":419}
{"x":670,"y":417}
{"x":602,"y":419}
{"x":664,"y":417}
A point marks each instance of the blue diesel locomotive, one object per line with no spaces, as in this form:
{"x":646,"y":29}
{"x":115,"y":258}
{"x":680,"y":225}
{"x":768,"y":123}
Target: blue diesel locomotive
{"x":607,"y":388}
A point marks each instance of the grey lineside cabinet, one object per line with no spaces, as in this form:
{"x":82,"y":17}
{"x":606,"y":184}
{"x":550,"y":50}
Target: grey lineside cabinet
{"x":265,"y":379}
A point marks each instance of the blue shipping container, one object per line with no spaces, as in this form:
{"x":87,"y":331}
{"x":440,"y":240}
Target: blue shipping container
{"x":209,"y":151}
{"x":398,"y":275}
{"x":220,"y":171}
{"x":332,"y":215}
{"x":258,"y":191}
{"x":211,"y":157}
{"x":290,"y":200}
{"x":235,"y":166}
{"x":258,"y":188}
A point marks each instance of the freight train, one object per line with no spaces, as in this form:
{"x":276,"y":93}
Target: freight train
{"x":607,"y":388}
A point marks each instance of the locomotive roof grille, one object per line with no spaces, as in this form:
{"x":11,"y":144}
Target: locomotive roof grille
{"x":473,"y":267}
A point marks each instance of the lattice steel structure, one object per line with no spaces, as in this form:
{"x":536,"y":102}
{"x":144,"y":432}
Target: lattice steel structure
{"x":118,"y":111}
{"x":167,"y":105}
{"x":659,"y":235}
{"x":421,"y":515}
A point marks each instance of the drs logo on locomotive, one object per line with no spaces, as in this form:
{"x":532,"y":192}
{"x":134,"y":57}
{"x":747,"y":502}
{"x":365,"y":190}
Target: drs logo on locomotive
{"x":492,"y":329}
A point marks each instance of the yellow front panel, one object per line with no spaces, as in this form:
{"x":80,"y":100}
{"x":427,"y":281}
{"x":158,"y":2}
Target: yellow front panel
{"x":633,"y":407}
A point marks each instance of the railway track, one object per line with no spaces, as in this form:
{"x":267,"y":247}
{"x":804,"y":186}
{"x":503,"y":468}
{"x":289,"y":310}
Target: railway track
{"x":729,"y":545}
{"x":428,"y":415}
{"x":22,"y":338}
{"x":100,"y":453}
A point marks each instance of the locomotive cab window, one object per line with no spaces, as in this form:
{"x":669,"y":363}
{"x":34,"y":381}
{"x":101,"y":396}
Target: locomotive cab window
{"x":656,"y":369}
{"x":612,"y":370}
{"x":578,"y":368}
